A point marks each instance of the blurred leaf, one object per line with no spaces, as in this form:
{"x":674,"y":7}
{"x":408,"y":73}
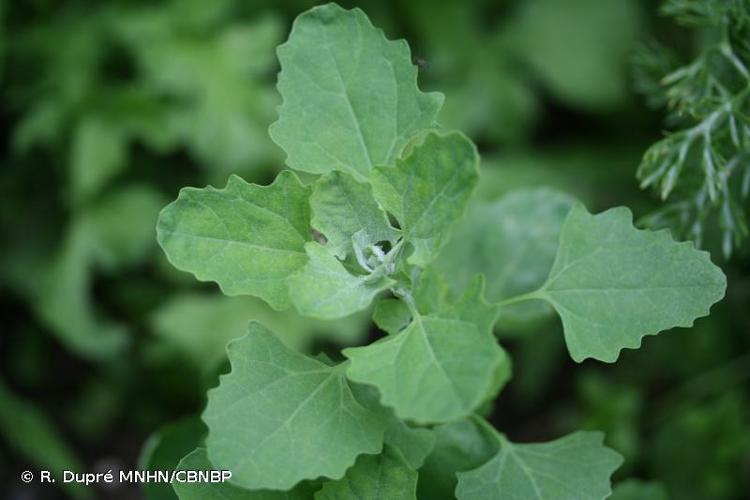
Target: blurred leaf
{"x":98,"y":153}
{"x":633,"y":489}
{"x":200,"y":325}
{"x":34,"y":437}
{"x":579,"y":48}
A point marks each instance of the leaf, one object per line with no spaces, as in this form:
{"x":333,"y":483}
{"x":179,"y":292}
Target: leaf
{"x":63,"y":301}
{"x":632,"y":489}
{"x":437,"y":369}
{"x":513,"y":242}
{"x":374,"y":477}
{"x":459,"y":446}
{"x":280,"y":417}
{"x":98,"y":153}
{"x":116,"y":243}
{"x":575,"y":467}
{"x":33,"y":436}
{"x":247,"y":238}
{"x":613,"y":284}
{"x":391,"y":315}
{"x":184,"y":320}
{"x":428,"y":191}
{"x":414,"y":443}
{"x":325,"y":289}
{"x":164,"y":450}
{"x":198,"y":460}
{"x":350,"y":96}
{"x":579,"y":48}
{"x":342,"y":206}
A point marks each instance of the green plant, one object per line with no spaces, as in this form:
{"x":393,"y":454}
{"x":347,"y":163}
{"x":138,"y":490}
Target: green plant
{"x":702,"y":165}
{"x":388,"y":224}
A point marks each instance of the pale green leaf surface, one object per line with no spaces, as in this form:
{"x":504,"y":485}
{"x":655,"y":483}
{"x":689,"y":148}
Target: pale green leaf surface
{"x":342,"y":206}
{"x":247,"y":238}
{"x":350,"y":96}
{"x":613,"y":284}
{"x":414,"y":443}
{"x":461,"y":445}
{"x":513,"y":242}
{"x":374,"y":477}
{"x":575,"y":467}
{"x":429,"y":190}
{"x":280,"y":417}
{"x":325,"y":289}
{"x":437,"y":369}
{"x":391,"y":315}
{"x":197,"y":460}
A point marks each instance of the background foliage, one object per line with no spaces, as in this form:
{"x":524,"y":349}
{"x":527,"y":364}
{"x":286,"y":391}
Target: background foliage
{"x":109,"y":108}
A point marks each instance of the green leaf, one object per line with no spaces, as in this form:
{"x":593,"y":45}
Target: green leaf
{"x":247,"y":238}
{"x":460,"y":445}
{"x":428,"y":191}
{"x":632,"y":489}
{"x":513,"y":242}
{"x":33,"y":436}
{"x":198,"y":460}
{"x":575,"y":467}
{"x":350,"y":96}
{"x":613,"y":284}
{"x":280,"y":417}
{"x":184,"y":320}
{"x":414,"y":443}
{"x":437,"y":369}
{"x":374,"y":477}
{"x":325,"y":289}
{"x":98,"y":153}
{"x":164,"y":450}
{"x":342,"y":206}
{"x":391,"y":315}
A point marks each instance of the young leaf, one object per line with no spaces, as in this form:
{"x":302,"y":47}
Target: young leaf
{"x":247,"y":238}
{"x":437,"y":369}
{"x":428,"y":191}
{"x":325,"y":289}
{"x":391,"y":315}
{"x":613,"y":284}
{"x":575,"y":467}
{"x":351,"y":100}
{"x":342,"y":206}
{"x":513,"y":242}
{"x":197,"y":460}
{"x":374,"y":477}
{"x":280,"y":417}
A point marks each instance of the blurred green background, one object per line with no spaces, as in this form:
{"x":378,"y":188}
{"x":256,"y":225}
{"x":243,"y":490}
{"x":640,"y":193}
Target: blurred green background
{"x":108,"y":108}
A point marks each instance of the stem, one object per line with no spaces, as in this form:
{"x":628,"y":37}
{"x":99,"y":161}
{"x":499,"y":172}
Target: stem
{"x":536,"y":294}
